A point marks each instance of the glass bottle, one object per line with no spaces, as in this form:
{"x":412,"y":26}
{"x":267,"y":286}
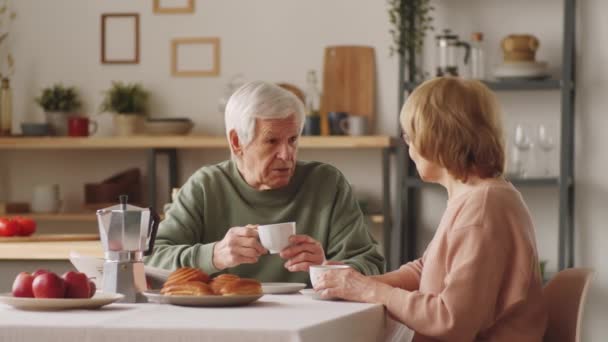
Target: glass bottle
{"x":313,"y":94}
{"x":6,"y":108}
{"x":312,"y":125}
{"x":477,"y":57}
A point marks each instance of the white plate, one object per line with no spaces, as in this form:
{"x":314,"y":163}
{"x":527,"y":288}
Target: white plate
{"x":282,"y":288}
{"x":98,"y":300}
{"x":156,"y":297}
{"x":521,"y":70}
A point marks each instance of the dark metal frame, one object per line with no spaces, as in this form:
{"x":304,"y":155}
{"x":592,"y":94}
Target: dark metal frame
{"x":404,"y":228}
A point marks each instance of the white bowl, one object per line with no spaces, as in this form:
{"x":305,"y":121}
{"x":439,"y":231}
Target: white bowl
{"x":168,"y":126}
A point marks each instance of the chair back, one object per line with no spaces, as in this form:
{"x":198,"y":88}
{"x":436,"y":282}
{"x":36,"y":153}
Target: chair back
{"x":564,"y":297}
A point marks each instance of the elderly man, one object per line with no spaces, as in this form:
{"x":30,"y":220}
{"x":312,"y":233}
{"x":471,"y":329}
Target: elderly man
{"x":213,"y":222}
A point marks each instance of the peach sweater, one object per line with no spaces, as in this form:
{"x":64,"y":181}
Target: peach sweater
{"x":479,"y":278}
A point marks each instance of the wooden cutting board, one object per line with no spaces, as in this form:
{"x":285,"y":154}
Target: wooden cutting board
{"x":51,"y":237}
{"x":349,"y":83}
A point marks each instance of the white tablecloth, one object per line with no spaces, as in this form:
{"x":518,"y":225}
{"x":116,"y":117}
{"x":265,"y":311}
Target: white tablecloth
{"x":272,"y":318}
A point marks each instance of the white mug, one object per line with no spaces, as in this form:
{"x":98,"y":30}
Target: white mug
{"x":275,"y":237}
{"x":315,"y":271}
{"x":354,"y":125}
{"x":46,"y":199}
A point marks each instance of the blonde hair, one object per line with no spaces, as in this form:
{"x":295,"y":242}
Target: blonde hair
{"x":456,"y":124}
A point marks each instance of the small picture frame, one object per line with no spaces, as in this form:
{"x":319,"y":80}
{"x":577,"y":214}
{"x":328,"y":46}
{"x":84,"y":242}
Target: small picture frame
{"x":173,"y":6}
{"x":120,"y":38}
{"x":195,"y":57}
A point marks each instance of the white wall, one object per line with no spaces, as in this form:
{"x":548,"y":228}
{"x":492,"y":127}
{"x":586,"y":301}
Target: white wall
{"x":280,"y":40}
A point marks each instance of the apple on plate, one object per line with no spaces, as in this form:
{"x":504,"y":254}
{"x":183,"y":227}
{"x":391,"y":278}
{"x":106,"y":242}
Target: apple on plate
{"x":93,"y":288}
{"x":76,"y":285}
{"x":22,"y":286}
{"x":39,"y":272}
{"x":48,"y":285}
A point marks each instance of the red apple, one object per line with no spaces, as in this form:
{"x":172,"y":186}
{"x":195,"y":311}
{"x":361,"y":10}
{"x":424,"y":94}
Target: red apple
{"x":76,"y":285}
{"x":22,"y":286}
{"x":39,"y":272}
{"x":48,"y":285}
{"x":93,"y":288}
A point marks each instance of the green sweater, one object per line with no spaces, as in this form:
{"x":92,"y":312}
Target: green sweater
{"x":216,"y":198}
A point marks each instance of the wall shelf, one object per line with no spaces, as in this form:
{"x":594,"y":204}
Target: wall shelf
{"x":509,"y":85}
{"x":181,"y":142}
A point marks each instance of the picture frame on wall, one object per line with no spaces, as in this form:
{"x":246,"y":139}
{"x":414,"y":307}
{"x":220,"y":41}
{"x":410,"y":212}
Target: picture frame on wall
{"x":173,"y":6}
{"x":120,"y":38}
{"x":195,"y":57}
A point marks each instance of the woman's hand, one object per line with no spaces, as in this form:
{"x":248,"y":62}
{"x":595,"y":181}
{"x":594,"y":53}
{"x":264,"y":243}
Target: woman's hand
{"x":351,"y":285}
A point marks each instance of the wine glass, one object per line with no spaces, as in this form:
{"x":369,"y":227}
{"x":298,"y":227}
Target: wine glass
{"x":523,"y":144}
{"x":546,"y":142}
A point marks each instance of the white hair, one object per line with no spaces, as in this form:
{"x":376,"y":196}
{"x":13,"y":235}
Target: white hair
{"x":262,"y":100}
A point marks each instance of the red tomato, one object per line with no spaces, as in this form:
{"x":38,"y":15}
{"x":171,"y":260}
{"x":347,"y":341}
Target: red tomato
{"x":27,"y":226}
{"x":8,"y":227}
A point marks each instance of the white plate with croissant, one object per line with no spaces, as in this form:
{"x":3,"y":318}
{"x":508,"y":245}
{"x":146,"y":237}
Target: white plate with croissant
{"x":189,"y":286}
{"x":202,"y":300}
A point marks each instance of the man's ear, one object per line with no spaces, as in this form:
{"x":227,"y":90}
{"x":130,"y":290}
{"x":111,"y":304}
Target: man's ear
{"x":235,"y":143}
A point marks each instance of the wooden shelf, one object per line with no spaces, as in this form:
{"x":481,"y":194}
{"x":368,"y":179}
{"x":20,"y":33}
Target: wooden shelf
{"x":62,"y":217}
{"x":91,"y":217}
{"x":181,"y":142}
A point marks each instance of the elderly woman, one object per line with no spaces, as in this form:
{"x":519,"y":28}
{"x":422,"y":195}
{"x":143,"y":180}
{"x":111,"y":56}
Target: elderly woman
{"x":479,"y":278}
{"x":212,"y":225}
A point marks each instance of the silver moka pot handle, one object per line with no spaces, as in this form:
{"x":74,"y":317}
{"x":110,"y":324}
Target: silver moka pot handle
{"x":152,"y":229}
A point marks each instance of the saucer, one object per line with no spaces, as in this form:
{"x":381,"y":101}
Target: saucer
{"x":282,"y":288}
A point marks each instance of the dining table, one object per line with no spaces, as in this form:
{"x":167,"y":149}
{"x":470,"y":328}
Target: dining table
{"x":298,"y":317}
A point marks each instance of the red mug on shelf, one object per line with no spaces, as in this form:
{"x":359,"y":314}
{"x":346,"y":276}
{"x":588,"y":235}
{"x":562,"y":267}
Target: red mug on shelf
{"x":81,"y":126}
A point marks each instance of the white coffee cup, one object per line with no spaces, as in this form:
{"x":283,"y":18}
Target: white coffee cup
{"x":46,"y":199}
{"x":275,"y":237}
{"x":315,"y":271}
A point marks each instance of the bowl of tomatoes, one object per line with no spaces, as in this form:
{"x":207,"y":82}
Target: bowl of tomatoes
{"x":17,"y":226}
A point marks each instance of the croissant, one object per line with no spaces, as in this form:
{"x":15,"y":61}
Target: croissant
{"x":189,"y":288}
{"x":242,"y":287}
{"x":218,"y":282}
{"x":184,"y":274}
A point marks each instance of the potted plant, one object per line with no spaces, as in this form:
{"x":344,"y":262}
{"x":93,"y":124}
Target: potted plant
{"x":128,"y":103}
{"x":58,"y":103}
{"x":410,"y":20}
